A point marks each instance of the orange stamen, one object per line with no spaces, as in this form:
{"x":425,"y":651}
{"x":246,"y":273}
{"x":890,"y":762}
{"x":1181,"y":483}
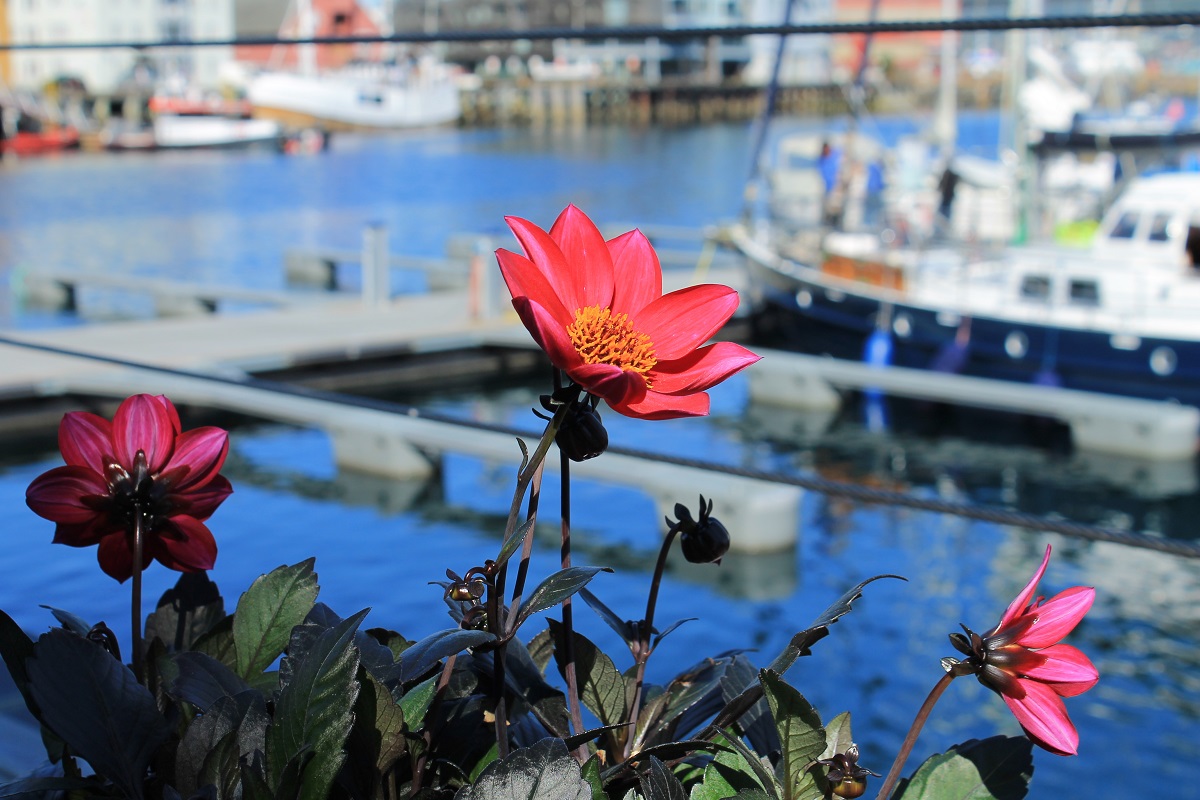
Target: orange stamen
{"x":602,"y":337}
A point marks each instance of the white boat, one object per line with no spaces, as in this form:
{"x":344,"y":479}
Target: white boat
{"x":1122,"y":316}
{"x":366,"y":96}
{"x":172,"y":131}
{"x":395,"y":94}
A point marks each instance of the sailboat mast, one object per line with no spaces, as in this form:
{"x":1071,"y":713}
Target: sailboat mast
{"x":306,"y":30}
{"x":946,"y":122}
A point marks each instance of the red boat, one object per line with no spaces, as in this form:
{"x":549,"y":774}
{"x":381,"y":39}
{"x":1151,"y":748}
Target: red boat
{"x":32,"y":143}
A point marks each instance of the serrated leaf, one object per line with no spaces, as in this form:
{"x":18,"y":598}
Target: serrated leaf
{"x":838,"y":736}
{"x":541,"y":649}
{"x":756,"y":722}
{"x":513,"y":542}
{"x":415,"y":702}
{"x":727,"y":775}
{"x":202,"y":680}
{"x":221,"y":767}
{"x":621,"y":627}
{"x":544,"y":771}
{"x":601,"y":687}
{"x":96,"y":706}
{"x":802,"y":642}
{"x":186,"y":612}
{"x":376,"y":739}
{"x":244,"y":716}
{"x":266,"y":613}
{"x":658,"y":783}
{"x":313,"y":713}
{"x":555,"y":589}
{"x":751,"y":759}
{"x":218,"y":643}
{"x":522,"y":676}
{"x":996,"y":768}
{"x":425,"y":654}
{"x":801,"y":737}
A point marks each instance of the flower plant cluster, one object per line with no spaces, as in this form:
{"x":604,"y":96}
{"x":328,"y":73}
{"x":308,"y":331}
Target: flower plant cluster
{"x":284,"y":698}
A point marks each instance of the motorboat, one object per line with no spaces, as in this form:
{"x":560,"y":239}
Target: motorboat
{"x":1120,"y":316}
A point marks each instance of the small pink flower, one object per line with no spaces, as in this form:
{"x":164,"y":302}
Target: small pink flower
{"x":598,"y":310}
{"x":1022,"y":661}
{"x":138,"y":464}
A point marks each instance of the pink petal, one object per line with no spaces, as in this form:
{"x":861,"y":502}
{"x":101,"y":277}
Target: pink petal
{"x":202,"y":451}
{"x":201,"y":503}
{"x":171,"y":412}
{"x":116,"y":557}
{"x":190,"y":547}
{"x":548,"y":333}
{"x":58,"y":495}
{"x":567,"y":283}
{"x":1058,"y":616}
{"x":85,"y":440}
{"x":1018,"y":606}
{"x":681,"y":321}
{"x":1064,"y":664}
{"x":615,"y":385}
{"x":526,"y":280}
{"x":1044,"y":718}
{"x":588,"y":259}
{"x":143,"y":423}
{"x":662,"y":406}
{"x":637,"y":274}
{"x":701,"y":369}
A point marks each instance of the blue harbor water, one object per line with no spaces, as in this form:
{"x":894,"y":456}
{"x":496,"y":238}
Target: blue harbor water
{"x":226,"y":217}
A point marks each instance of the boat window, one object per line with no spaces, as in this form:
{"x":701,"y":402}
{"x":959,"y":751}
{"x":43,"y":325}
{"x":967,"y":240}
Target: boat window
{"x":1035,"y":287}
{"x":370,"y":97}
{"x":1085,"y":292}
{"x":1193,"y":245}
{"x":1125,"y":226}
{"x":1160,"y":226}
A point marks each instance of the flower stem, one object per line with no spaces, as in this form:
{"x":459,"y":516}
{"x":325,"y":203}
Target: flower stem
{"x":906,"y":747}
{"x":642,"y":653}
{"x":136,"y":600}
{"x":568,"y":618}
{"x":431,"y":717}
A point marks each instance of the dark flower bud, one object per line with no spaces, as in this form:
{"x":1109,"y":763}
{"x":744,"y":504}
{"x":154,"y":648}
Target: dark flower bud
{"x":703,"y":541}
{"x":582,"y":435}
{"x":846,"y":778}
{"x":102,"y":635}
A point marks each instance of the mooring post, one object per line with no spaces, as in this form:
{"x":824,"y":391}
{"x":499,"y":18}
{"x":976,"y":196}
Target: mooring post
{"x":376,"y":280}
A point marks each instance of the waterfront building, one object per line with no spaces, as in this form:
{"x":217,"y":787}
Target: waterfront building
{"x":103,"y":71}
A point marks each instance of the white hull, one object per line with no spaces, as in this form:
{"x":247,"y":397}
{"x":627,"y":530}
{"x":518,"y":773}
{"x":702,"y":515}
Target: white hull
{"x":351,"y":99}
{"x":172,"y":131}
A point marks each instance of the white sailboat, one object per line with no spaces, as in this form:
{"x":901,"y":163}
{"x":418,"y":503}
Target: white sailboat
{"x":393,"y":95}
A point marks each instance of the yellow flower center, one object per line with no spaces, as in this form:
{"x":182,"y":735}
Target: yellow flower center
{"x":602,"y":337}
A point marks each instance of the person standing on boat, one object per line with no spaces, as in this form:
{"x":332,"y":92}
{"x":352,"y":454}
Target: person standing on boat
{"x":830,"y":163}
{"x":947,"y":186}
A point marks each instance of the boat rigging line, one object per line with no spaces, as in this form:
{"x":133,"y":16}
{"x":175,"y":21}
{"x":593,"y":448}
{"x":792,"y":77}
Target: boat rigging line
{"x":1158,"y":20}
{"x":849,"y":491}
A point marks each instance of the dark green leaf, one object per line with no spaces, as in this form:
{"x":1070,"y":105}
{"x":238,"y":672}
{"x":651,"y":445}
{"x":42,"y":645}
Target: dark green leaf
{"x":756,"y":723}
{"x":601,"y":687}
{"x":837,"y":735}
{"x":513,"y":542}
{"x":244,"y":716}
{"x":555,"y":589}
{"x":96,"y":706}
{"x":622,"y":627}
{"x":314,"y":713}
{"x":998,"y":768}
{"x":71,"y":622}
{"x":415,"y":702}
{"x":202,"y":680}
{"x":218,"y":643}
{"x":541,"y":649}
{"x":488,"y":757}
{"x":266,"y":613}
{"x":523,"y":677}
{"x":727,"y":775}
{"x":801,"y":737}
{"x":671,"y":628}
{"x":377,"y":738}
{"x":425,"y":654}
{"x":186,"y":612}
{"x":800,"y":645}
{"x":15,"y":648}
{"x":658,"y":783}
{"x":393,"y":641}
{"x":802,"y":642}
{"x":591,"y":774}
{"x":765,"y":779}
{"x":221,"y":767}
{"x":545,"y":771}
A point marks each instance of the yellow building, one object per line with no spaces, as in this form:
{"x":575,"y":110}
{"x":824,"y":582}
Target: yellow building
{"x":5,"y":61}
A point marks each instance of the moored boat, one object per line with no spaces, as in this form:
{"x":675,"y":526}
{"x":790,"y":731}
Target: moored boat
{"x":1121,"y":317}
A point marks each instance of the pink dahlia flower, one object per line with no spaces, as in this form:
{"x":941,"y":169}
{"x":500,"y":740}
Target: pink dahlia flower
{"x":598,"y":310}
{"x":1022,"y":660}
{"x":140,"y":464}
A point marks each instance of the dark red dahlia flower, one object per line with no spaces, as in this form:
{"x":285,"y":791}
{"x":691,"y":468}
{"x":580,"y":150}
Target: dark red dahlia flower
{"x":140,"y":466}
